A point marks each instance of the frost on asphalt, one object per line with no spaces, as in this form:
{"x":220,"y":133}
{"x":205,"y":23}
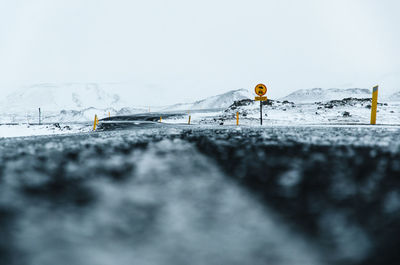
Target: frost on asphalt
{"x":162,"y":195}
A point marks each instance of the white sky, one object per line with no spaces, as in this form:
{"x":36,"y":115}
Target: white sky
{"x":182,"y":50}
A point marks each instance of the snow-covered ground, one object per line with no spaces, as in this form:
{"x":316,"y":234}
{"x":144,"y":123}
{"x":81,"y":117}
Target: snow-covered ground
{"x":21,"y":130}
{"x":352,"y":111}
{"x":63,"y":116}
{"x":68,"y":102}
{"x":319,"y":94}
{"x":81,"y":104}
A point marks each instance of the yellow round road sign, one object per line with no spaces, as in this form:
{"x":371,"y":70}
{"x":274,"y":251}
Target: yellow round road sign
{"x":261,"y":89}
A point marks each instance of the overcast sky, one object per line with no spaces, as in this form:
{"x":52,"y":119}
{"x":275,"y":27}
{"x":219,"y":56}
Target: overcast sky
{"x":182,"y":50}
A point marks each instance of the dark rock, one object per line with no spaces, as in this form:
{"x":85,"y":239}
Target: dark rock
{"x":346,"y":114}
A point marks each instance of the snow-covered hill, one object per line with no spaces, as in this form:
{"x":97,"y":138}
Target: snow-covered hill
{"x":221,"y":101}
{"x":319,"y":94}
{"x":395,"y":97}
{"x":57,"y":97}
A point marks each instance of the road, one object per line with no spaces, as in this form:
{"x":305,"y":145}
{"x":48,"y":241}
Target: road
{"x":149,"y":193}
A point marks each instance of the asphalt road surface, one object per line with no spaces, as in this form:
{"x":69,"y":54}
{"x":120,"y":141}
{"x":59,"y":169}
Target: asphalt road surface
{"x":148,"y":193}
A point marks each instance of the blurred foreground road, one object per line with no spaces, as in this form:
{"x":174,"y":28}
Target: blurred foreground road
{"x":162,"y":194}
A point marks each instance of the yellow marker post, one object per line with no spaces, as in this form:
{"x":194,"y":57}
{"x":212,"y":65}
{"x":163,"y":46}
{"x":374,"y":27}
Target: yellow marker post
{"x":160,"y":119}
{"x":237,"y":118}
{"x":95,"y":122}
{"x":374,"y":106}
{"x":109,"y":114}
{"x":190,"y":118}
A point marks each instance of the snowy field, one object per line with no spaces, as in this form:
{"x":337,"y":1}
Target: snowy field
{"x":26,"y":130}
{"x":351,"y":111}
{"x":275,"y":113}
{"x":171,"y":194}
{"x":71,"y":110}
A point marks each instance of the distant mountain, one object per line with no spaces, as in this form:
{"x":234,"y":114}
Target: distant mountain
{"x":57,"y":97}
{"x":394,"y":97}
{"x":221,"y":101}
{"x":319,"y":94}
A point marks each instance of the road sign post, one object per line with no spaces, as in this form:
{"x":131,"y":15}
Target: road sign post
{"x":261,"y":90}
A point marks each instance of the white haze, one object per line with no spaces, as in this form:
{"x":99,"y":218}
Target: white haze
{"x":164,"y":52}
